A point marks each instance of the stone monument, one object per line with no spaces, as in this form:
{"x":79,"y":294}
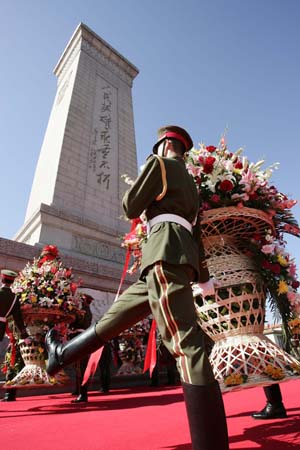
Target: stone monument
{"x":75,"y":200}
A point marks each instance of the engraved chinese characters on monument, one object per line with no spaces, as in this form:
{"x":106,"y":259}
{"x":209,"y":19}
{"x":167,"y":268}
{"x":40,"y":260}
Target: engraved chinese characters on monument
{"x":104,"y":138}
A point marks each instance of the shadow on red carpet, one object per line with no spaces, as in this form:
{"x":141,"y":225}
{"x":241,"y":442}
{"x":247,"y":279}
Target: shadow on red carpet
{"x":141,"y":418}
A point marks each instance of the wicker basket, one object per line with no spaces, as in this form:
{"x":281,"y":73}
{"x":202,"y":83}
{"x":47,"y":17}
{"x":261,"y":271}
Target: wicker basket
{"x":34,"y":315}
{"x":33,"y":373}
{"x":234,"y":319}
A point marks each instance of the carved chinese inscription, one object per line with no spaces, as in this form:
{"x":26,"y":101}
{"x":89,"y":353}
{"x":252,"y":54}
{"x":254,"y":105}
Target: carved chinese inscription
{"x":104,"y":135}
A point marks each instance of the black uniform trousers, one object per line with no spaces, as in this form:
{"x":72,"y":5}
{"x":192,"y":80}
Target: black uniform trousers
{"x":166,"y":292}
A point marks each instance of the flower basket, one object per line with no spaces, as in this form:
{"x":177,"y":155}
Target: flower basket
{"x":37,"y":321}
{"x":234,"y":318}
{"x":131,"y":353}
{"x":132,"y":348}
{"x":49,"y":299}
{"x":243,"y":220}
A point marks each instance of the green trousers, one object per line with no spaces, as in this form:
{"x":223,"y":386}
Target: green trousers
{"x":165,"y":292}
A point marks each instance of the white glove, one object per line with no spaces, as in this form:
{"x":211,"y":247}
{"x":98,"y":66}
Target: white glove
{"x":207,"y":288}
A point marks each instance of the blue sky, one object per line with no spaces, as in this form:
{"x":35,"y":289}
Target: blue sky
{"x":206,"y":65}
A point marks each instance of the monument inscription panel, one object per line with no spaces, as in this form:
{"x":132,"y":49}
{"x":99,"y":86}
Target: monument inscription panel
{"x":99,"y":249}
{"x":104,"y":142}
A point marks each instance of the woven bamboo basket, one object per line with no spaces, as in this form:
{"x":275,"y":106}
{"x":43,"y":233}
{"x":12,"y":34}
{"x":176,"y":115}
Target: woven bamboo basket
{"x":234,"y":319}
{"x":33,"y":353}
{"x":131,"y":365}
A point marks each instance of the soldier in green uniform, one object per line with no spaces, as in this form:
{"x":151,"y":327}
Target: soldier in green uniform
{"x":9,"y":304}
{"x":172,"y":258}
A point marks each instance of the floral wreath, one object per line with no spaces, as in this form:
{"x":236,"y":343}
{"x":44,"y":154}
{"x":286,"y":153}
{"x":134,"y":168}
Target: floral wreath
{"x":224,"y":178}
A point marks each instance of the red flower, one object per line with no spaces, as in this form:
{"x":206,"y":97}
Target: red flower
{"x":211,"y":148}
{"x":253,"y":196}
{"x":210,"y":160}
{"x":295,"y":284}
{"x":215,"y":198}
{"x":209,"y":164}
{"x":46,"y":258}
{"x":256,"y":237}
{"x":73,"y":287}
{"x":226,"y":186}
{"x":238,"y":165}
{"x":68,"y":273}
{"x":50,"y":250}
{"x":275,"y":268}
{"x":266,"y":264}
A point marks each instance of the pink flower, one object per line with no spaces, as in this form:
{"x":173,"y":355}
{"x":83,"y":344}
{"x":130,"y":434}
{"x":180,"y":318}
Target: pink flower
{"x":267,"y":249}
{"x":292,"y":270}
{"x":193,"y":170}
{"x":291,"y":295}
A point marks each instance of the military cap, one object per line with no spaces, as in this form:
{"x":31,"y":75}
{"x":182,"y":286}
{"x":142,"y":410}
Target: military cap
{"x":9,"y":275}
{"x":174,"y":132}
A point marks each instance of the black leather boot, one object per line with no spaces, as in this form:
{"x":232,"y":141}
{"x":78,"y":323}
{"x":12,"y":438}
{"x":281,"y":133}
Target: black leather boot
{"x":60,"y":355}
{"x":206,"y":416}
{"x":10,"y":395}
{"x":80,"y":399}
{"x":274,"y":408}
{"x":83,"y":396}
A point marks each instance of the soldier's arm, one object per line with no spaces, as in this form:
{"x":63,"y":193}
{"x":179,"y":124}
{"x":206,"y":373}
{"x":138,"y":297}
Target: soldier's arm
{"x":144,"y":190}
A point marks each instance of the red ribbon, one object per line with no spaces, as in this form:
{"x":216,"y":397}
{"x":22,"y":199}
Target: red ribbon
{"x":92,"y":365}
{"x":13,"y":344}
{"x":95,"y":357}
{"x":150,"y":358}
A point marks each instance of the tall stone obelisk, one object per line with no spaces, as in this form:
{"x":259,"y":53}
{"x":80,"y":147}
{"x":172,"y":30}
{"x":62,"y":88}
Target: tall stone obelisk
{"x":75,"y":201}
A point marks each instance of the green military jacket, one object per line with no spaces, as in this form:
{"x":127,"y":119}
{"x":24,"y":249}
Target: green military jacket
{"x":6,"y":300}
{"x":168,"y":241}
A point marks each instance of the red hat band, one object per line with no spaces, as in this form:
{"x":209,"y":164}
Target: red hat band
{"x":8,"y":277}
{"x":171,"y":134}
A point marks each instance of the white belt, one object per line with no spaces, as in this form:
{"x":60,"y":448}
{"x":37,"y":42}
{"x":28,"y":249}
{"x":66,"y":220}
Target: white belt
{"x":3,"y":319}
{"x":170,"y":218}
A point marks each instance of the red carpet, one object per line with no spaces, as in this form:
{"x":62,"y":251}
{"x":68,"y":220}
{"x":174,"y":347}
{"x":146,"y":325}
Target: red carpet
{"x":140,"y":418}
